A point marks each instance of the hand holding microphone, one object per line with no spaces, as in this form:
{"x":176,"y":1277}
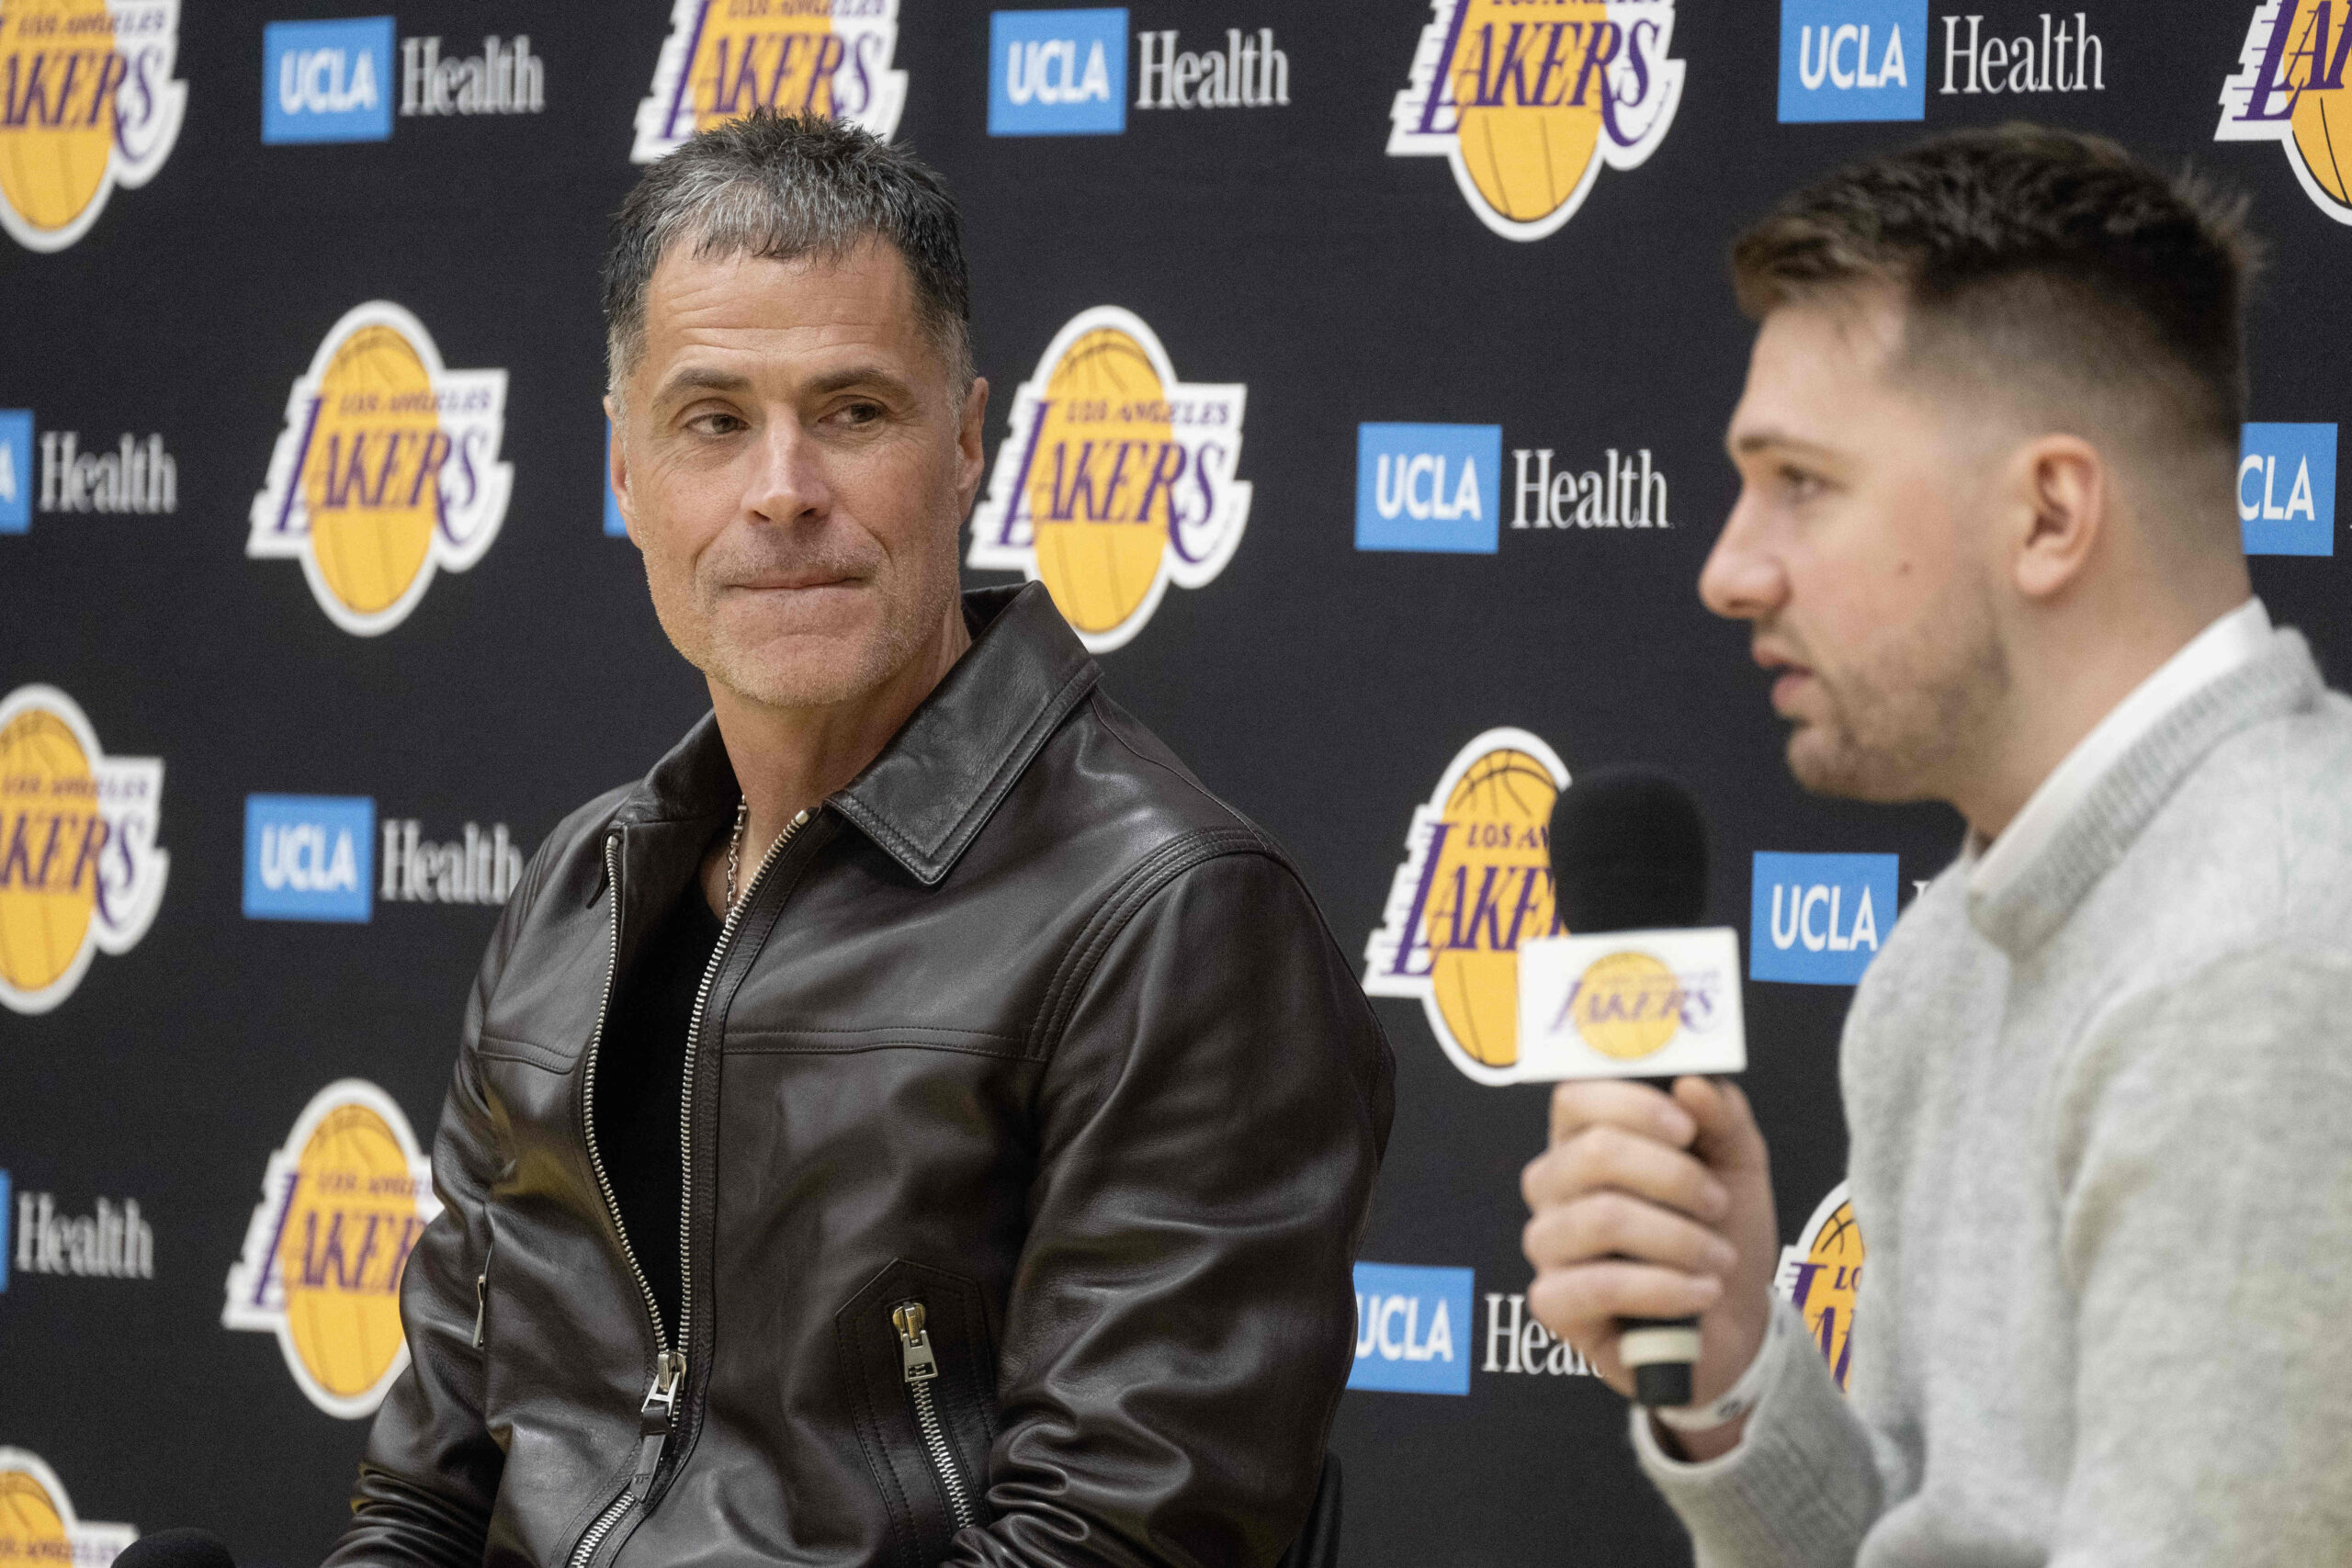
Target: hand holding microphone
{"x":1650,"y":1210}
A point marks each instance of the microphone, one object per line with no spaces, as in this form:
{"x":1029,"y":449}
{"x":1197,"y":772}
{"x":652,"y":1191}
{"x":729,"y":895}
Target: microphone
{"x":1636,"y":989}
{"x":175,"y":1549}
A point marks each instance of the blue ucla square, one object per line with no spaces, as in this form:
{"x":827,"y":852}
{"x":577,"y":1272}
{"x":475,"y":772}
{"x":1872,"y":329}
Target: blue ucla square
{"x":1853,"y":60}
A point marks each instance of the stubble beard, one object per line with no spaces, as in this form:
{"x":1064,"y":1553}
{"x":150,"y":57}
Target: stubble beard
{"x":1906,"y":718}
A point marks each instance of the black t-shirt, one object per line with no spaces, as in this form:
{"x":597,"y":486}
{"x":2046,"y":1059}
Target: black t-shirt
{"x":640,"y":1068}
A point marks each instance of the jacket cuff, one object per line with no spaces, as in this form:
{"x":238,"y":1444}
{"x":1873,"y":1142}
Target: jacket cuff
{"x":1801,"y":1486}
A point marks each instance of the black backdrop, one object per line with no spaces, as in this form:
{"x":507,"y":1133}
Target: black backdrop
{"x":1322,"y":688}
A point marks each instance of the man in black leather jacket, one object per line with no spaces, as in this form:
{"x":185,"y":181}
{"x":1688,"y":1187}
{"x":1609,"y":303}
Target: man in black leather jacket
{"x":918,"y":1122}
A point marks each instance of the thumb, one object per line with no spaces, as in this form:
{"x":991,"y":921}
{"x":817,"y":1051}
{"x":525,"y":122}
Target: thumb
{"x":1727,"y":1136}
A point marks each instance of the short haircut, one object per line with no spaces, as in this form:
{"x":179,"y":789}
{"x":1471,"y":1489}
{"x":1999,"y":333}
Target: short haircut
{"x":782,"y":188}
{"x":2047,"y":261}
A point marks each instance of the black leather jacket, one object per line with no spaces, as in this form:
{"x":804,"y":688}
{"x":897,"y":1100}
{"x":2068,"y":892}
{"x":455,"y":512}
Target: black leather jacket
{"x":1031,"y":1117}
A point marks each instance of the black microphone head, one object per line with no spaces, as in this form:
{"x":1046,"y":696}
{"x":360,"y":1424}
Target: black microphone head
{"x":175,"y":1549}
{"x":1629,"y":853}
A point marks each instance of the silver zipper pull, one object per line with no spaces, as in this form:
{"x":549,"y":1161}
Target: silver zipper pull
{"x":481,"y":1306}
{"x":654,"y":1415}
{"x":915,"y":1359}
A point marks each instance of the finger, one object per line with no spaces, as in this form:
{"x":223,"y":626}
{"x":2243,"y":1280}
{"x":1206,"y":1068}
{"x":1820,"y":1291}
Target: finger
{"x":1581,"y":1304}
{"x":1612,"y":1225}
{"x":1610,"y":1102}
{"x":1727,"y":1135}
{"x":1613,"y":1159}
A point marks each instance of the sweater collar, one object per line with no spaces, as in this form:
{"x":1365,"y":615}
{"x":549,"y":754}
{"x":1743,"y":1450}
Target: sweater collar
{"x":2022,"y":908}
{"x":926,"y":796}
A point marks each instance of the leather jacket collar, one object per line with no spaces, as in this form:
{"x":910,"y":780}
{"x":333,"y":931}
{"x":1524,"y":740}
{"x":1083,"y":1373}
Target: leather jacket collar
{"x":925,"y":798}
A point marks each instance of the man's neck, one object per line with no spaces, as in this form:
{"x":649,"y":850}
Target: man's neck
{"x":787,"y":760}
{"x":2062,"y":686}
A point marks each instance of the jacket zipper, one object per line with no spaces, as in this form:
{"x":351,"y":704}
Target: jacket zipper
{"x":659,"y":1407}
{"x":920,"y":1369}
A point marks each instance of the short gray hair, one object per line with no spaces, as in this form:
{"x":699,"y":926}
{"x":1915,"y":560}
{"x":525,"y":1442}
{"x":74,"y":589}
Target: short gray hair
{"x":782,"y":188}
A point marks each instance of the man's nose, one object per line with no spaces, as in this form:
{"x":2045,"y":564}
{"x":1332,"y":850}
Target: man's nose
{"x":1743,"y":580}
{"x":788,"y":483}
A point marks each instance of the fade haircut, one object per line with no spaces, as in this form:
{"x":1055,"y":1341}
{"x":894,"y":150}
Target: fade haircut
{"x":783,"y":188}
{"x":2050,"y":265}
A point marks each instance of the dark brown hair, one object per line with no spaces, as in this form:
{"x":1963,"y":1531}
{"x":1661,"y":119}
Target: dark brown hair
{"x":2047,"y":260}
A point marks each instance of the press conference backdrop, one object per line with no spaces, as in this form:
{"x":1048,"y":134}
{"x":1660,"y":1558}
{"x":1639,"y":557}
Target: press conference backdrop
{"x":1359,"y":379}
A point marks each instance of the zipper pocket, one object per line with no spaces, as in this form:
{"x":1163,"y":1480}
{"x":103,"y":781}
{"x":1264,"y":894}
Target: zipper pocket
{"x":918,"y":1369}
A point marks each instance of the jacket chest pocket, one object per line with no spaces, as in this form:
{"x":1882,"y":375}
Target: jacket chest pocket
{"x":916,"y":1354}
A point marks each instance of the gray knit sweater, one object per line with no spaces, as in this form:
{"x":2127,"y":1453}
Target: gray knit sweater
{"x":2102,"y":1163}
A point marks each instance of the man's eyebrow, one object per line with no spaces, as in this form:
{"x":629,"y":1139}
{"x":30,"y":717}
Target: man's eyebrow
{"x":701,"y":379}
{"x":1769,"y":439}
{"x":859,"y":376}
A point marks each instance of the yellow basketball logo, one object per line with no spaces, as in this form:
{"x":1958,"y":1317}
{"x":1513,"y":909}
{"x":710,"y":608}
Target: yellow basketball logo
{"x":1822,"y":1274}
{"x":80,"y":871}
{"x":343,"y":1205}
{"x":86,"y":104}
{"x":1114,"y":478}
{"x":1627,"y":1006}
{"x":387,"y":470}
{"x":38,"y":1525}
{"x":1527,"y":99}
{"x":2290,"y":87}
{"x":1475,"y":882}
{"x":724,"y":58}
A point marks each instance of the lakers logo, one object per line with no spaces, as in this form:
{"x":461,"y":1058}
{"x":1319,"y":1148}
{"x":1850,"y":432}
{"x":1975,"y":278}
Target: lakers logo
{"x":2290,"y":88}
{"x":1477,"y":882}
{"x":1115,"y":479}
{"x":1528,"y":98}
{"x":87,"y":103}
{"x":725,"y":58}
{"x":1627,"y":1006}
{"x":38,"y":1525}
{"x":80,"y":870}
{"x":1821,"y":1275}
{"x":388,"y":469}
{"x":341,"y":1206}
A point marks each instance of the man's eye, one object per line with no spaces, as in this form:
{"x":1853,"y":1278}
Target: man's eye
{"x":858,"y":413}
{"x":1799,"y":484}
{"x":717,"y":424}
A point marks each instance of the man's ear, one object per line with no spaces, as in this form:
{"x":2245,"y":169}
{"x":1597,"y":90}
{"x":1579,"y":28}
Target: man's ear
{"x":969,"y":446}
{"x":2061,"y":496}
{"x":617,"y":470}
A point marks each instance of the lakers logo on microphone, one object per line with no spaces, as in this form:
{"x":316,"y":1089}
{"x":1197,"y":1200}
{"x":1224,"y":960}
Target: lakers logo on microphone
{"x":87,"y":103}
{"x":1823,"y":1273}
{"x":724,"y":58}
{"x":1474,"y":884}
{"x":341,"y":1206}
{"x":38,"y":1524}
{"x":80,"y":870}
{"x":1528,"y":99}
{"x":1115,"y":479}
{"x":2290,"y":88}
{"x":387,"y":470}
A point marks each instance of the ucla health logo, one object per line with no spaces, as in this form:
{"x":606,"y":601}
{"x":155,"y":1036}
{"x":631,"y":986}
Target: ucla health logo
{"x":1114,"y":478}
{"x":1058,"y":72}
{"x":724,"y":58}
{"x":87,"y":103}
{"x":1822,"y":1275}
{"x":343,"y":1203}
{"x":2286,"y":490}
{"x":2290,"y":88}
{"x":80,"y":870}
{"x":327,"y":80}
{"x":1846,"y":60}
{"x":38,"y":1523}
{"x":387,"y":470}
{"x":134,"y":475}
{"x":1816,"y":918}
{"x":1413,"y":1329}
{"x":1527,"y":99}
{"x":1428,"y":486}
{"x":1475,"y":883}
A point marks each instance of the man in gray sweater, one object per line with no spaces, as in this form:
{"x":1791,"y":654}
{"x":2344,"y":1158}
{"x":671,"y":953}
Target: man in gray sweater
{"x":2099,"y":1081}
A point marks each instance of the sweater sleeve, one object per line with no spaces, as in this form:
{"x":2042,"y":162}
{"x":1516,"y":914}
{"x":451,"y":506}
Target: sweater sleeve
{"x":2205,"y":1236}
{"x":1802,"y":1485}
